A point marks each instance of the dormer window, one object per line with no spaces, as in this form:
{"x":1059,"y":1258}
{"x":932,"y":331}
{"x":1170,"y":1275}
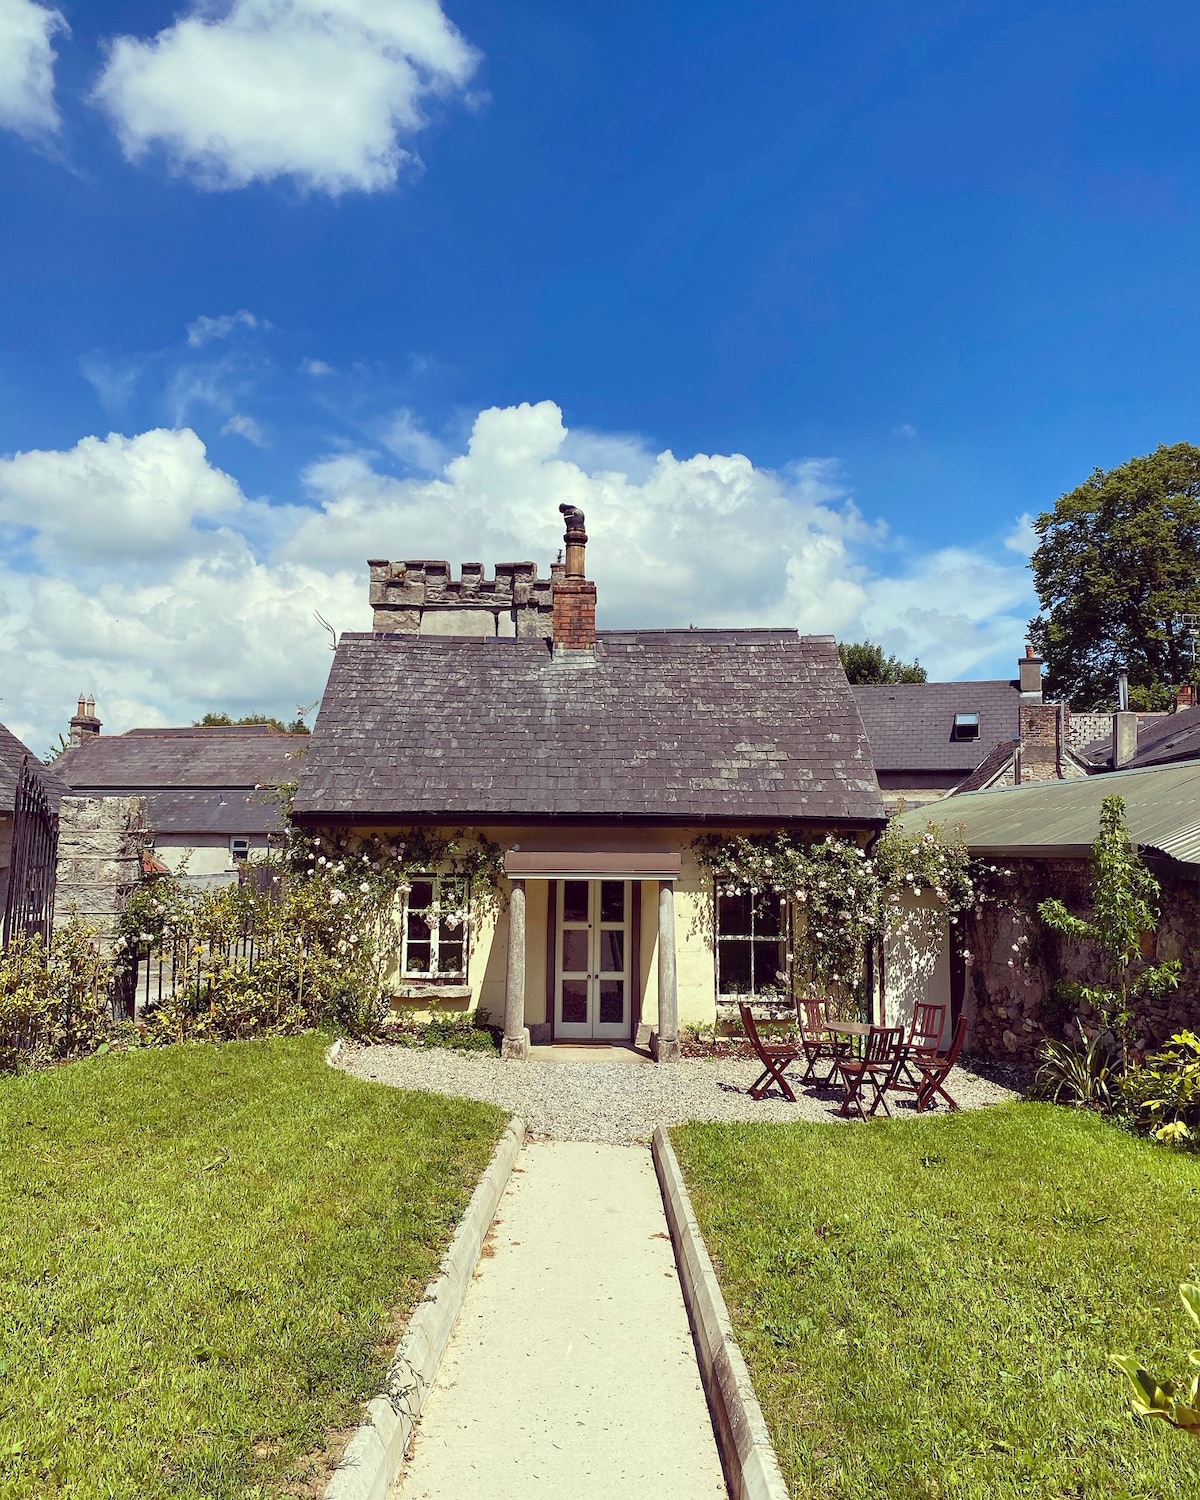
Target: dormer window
{"x":966,"y":727}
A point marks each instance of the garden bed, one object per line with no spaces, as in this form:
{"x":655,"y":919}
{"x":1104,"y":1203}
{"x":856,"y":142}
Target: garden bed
{"x":206,"y":1255}
{"x":928,"y":1307}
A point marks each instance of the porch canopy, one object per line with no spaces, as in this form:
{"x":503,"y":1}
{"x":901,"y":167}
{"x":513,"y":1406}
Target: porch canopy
{"x":591,"y":864}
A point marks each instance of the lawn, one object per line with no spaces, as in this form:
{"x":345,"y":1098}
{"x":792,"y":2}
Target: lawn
{"x":927,"y":1306}
{"x":204,"y":1251}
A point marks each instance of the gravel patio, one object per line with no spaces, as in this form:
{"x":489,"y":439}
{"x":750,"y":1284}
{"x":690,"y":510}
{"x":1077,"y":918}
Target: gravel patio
{"x":622,"y":1102}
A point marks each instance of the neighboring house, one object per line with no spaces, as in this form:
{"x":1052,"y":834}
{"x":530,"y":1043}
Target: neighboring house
{"x":1043,"y":833}
{"x":30,"y":794}
{"x":202,"y":787}
{"x":594,"y":759}
{"x":1138,"y":740}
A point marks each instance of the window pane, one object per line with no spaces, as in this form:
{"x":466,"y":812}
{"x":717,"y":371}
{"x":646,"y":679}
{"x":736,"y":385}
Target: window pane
{"x":575,"y":951}
{"x":421,"y":896}
{"x":612,"y":900}
{"x":733,"y":916}
{"x":612,"y":1001}
{"x":612,"y":951}
{"x":768,"y":964}
{"x":733,"y":959}
{"x":574,"y":1000}
{"x":450,"y":957}
{"x":768,"y":915}
{"x":418,"y":957}
{"x":418,"y":928}
{"x":575,"y":900}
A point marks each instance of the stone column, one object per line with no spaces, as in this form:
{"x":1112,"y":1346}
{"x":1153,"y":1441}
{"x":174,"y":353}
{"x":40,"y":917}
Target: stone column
{"x":516,"y":1033}
{"x":664,"y":1042}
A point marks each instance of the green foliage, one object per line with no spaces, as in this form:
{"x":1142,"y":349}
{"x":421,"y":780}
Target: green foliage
{"x":459,"y":1031}
{"x":1124,"y":907}
{"x":926,"y":1305}
{"x":1087,"y":1073}
{"x":865,"y":662}
{"x":1117,"y":563}
{"x":1176,"y":1403}
{"x":205,"y":1253}
{"x":1162,"y":1094}
{"x":222,"y":720}
{"x":54,"y":1003}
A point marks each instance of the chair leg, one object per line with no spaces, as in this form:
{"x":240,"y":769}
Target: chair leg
{"x":763,"y":1082}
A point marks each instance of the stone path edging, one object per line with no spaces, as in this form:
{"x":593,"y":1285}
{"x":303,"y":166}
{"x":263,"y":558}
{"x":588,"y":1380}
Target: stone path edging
{"x":375,"y":1453}
{"x":751,"y":1467}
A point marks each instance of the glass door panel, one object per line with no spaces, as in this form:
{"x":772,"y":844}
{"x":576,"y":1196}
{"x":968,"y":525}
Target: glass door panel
{"x":592,"y":948}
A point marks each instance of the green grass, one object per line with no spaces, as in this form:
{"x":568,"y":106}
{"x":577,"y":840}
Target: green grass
{"x":927,"y":1307}
{"x":203,"y":1252}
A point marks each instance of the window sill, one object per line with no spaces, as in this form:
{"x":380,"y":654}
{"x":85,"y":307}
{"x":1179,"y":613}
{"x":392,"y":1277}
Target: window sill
{"x":432,"y":989}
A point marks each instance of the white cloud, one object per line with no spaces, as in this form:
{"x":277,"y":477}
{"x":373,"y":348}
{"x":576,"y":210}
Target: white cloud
{"x":404,"y":436}
{"x":1022,"y":539}
{"x":204,"y":329}
{"x":113,"y":381}
{"x":205,"y":598}
{"x":27,"y":66}
{"x":315,"y":368}
{"x":318,"y":90}
{"x":905,"y":430}
{"x":246,"y":427}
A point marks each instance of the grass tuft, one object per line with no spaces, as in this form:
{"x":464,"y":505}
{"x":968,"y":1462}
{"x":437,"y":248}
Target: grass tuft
{"x":928,"y":1307}
{"x":205,"y":1255}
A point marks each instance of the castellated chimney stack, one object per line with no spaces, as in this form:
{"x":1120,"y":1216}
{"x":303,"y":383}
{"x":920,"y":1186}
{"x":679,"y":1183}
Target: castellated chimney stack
{"x":574,"y":596}
{"x":85,"y":725}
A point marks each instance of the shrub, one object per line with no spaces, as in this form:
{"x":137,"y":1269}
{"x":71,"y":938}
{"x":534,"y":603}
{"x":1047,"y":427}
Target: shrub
{"x":1175,"y":1402}
{"x":1162,"y":1095}
{"x":1084,"y":1073}
{"x":55,"y":1002}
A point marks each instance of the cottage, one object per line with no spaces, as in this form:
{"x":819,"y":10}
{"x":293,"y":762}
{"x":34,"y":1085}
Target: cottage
{"x":201,"y":788}
{"x":594,"y":759}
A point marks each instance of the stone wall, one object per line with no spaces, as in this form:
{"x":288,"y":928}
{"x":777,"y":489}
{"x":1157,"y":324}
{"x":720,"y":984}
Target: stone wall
{"x":1016,"y":962}
{"x":421,"y":597}
{"x":100,"y":841}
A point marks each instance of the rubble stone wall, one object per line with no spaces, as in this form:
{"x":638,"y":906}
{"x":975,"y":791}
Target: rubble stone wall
{"x":1016,"y":962}
{"x":100,"y":841}
{"x":422,"y":597}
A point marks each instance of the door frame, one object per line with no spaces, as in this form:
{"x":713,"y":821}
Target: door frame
{"x":630,"y":928}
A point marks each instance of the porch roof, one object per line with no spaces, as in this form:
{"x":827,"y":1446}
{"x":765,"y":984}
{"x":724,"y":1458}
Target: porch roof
{"x":670,"y":725}
{"x":592,"y":864}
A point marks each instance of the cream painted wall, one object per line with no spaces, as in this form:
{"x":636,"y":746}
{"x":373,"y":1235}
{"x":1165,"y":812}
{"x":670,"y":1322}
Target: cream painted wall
{"x":206,"y":854}
{"x":916,"y":962}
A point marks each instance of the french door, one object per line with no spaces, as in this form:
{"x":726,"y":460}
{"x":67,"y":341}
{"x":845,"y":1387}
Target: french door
{"x":591,"y":987}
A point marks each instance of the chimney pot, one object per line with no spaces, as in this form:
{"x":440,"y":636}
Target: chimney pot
{"x":85,"y":725}
{"x":576,"y":540}
{"x":574,"y":597}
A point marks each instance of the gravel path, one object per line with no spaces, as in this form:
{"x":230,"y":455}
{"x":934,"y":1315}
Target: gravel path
{"x":617,"y":1101}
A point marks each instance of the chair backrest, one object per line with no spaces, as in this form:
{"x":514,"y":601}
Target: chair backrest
{"x":750,"y":1028}
{"x":927,"y":1023}
{"x":882,"y":1044}
{"x":956,"y":1043}
{"x":812,"y":1015}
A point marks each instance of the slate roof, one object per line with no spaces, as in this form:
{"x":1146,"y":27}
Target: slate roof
{"x":221,"y":811}
{"x":692,"y":724}
{"x":1058,"y":819}
{"x":12,"y":752}
{"x":988,"y":769}
{"x":147,"y":760}
{"x":1160,"y":740}
{"x":910,"y":724}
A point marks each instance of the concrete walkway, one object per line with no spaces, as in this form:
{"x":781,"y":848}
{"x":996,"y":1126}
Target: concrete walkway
{"x":571,"y":1372}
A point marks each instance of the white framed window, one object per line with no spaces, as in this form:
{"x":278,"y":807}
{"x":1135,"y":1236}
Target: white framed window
{"x":751,"y":943}
{"x":435,"y":927}
{"x":239,"y":849}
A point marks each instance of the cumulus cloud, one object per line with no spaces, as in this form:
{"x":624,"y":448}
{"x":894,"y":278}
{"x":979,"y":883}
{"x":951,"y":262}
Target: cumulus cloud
{"x":27,"y":33}
{"x":206,"y":597}
{"x":322,"y":91}
{"x":205,"y":329}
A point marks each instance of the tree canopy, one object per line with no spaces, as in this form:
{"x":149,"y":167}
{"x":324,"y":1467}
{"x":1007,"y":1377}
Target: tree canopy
{"x":1116,"y":568}
{"x":221,"y":720}
{"x":864,"y":662}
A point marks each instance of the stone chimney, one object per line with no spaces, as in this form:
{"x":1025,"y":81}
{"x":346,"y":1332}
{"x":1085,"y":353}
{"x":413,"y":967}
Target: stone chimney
{"x":574,"y":597}
{"x":1029,"y":669}
{"x":1124,"y":740}
{"x":85,"y":725}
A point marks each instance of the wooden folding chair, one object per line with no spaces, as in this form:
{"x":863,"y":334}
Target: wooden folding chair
{"x":877,"y":1065}
{"x":923,"y":1044}
{"x":774,"y":1056}
{"x":934,"y":1071}
{"x":815,"y":1041}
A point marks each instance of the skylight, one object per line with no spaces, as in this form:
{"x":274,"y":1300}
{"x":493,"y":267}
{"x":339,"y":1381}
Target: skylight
{"x":966,"y":726}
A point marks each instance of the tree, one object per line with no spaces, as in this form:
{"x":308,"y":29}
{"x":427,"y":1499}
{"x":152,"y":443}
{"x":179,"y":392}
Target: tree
{"x":863,"y":662}
{"x":1117,"y":566}
{"x":220,"y":720}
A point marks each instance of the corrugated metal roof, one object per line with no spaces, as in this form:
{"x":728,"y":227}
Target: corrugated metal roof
{"x":1183,"y":846}
{"x":1046,"y":819}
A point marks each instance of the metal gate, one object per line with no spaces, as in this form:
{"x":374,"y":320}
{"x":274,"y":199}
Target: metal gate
{"x":29,"y":903}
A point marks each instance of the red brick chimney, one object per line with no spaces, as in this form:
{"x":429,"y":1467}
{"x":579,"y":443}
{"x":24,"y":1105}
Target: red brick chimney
{"x":1185,"y":696}
{"x":574,"y":596}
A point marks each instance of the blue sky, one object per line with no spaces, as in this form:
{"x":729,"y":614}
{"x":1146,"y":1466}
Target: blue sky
{"x":351,"y":277}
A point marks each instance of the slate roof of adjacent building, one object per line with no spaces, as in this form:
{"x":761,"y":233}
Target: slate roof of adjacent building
{"x":149,"y":760}
{"x":12,"y":752}
{"x":691,"y":724}
{"x":1060,"y":819}
{"x":1161,"y":739}
{"x":996,"y":761}
{"x":911,"y":724}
